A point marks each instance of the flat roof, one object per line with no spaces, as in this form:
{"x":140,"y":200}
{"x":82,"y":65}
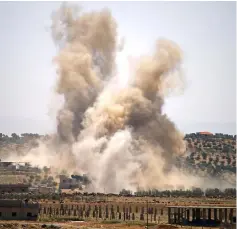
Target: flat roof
{"x":7,"y":203}
{"x":217,"y":207}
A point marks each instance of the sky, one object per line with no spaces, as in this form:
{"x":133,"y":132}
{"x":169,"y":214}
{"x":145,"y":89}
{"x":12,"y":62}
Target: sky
{"x":206,"y":32}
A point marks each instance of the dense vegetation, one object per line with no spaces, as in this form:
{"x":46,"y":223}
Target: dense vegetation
{"x":195,"y":192}
{"x":229,"y":193}
{"x":212,"y":155}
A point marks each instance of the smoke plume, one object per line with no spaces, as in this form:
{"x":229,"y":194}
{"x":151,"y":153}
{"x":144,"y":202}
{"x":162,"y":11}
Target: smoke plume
{"x":118,"y":136}
{"x":87,"y":48}
{"x":123,"y":139}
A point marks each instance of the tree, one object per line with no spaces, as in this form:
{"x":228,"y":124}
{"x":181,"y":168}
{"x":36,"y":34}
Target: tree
{"x":46,"y":169}
{"x":64,"y":172}
{"x":197,"y":192}
{"x":209,"y":144}
{"x":15,"y":136}
{"x":213,"y":192}
{"x":229,"y":192}
{"x":50,"y":179}
{"x":31,"y":178}
{"x":125,"y":192}
{"x":229,"y":160}
{"x":204,"y":155}
{"x":37,"y":178}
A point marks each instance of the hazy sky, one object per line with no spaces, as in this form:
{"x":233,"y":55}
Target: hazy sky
{"x":204,"y":30}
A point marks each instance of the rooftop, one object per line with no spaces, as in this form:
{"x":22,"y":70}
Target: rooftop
{"x":12,"y":179}
{"x":206,"y":133}
{"x":19,"y":185}
{"x":17,"y":203}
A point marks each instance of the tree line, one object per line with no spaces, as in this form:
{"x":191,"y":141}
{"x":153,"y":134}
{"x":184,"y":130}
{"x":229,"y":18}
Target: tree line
{"x":15,"y":136}
{"x":195,"y":192}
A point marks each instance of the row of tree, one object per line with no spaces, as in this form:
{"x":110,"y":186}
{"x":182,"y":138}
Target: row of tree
{"x":213,"y":166}
{"x":211,"y":136}
{"x":195,"y":192}
{"x":191,"y":135}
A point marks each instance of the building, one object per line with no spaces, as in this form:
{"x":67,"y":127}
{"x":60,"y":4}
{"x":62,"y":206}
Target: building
{"x":42,"y":189}
{"x":18,"y":210}
{"x":67,"y":183}
{"x":206,"y":133}
{"x":46,"y":190}
{"x":201,"y":215}
{"x":13,"y":184}
{"x":71,"y":192}
{"x":14,"y":188}
{"x":6,"y":166}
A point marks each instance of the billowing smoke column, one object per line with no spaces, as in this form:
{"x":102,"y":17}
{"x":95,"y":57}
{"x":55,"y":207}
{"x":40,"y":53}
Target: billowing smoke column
{"x":119,"y":137}
{"x":86,"y":58}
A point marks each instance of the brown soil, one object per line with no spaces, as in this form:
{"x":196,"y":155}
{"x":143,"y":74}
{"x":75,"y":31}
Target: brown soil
{"x":74,"y":225}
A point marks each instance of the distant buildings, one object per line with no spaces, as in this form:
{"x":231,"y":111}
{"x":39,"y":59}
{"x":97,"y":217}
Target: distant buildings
{"x":206,"y":133}
{"x":14,"y":188}
{"x":42,"y":189}
{"x":67,"y":183}
{"x":76,"y":182}
{"x":16,"y":177}
{"x":18,"y":210}
{"x":20,"y":167}
{"x":13,"y":184}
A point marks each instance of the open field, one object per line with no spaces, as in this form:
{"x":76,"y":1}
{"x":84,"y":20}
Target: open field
{"x":117,"y":211}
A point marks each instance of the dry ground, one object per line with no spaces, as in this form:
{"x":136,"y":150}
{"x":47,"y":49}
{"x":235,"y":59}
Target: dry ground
{"x":84,"y":225}
{"x":74,"y":225}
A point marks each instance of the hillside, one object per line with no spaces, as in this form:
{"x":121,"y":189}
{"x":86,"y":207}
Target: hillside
{"x":207,"y":154}
{"x":218,"y":150}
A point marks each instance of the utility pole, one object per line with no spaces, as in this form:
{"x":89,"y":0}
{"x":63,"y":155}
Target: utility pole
{"x":147,"y":214}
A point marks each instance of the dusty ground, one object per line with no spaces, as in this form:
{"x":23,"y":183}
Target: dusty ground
{"x":73,"y":225}
{"x":85,"y":225}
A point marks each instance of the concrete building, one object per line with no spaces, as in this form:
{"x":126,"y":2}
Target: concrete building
{"x":14,"y":188}
{"x":18,"y":210}
{"x":201,"y":215}
{"x":42,"y":189}
{"x":13,"y":183}
{"x":8,"y":166}
{"x":46,"y":189}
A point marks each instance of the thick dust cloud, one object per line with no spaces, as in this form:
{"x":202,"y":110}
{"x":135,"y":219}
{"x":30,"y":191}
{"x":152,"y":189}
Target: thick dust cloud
{"x":118,"y":136}
{"x":87,"y":48}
